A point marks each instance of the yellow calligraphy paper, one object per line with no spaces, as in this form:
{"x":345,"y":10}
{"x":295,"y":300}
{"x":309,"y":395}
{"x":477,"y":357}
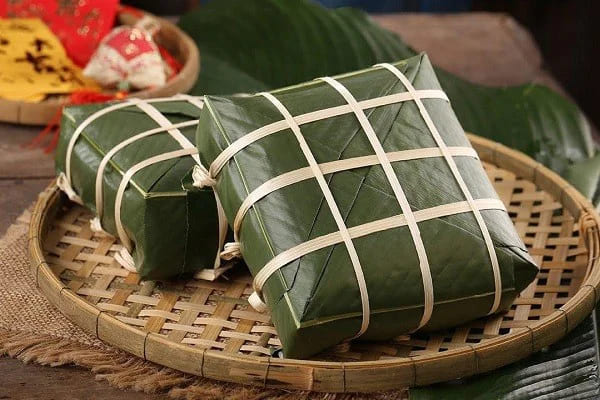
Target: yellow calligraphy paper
{"x":34,"y":64}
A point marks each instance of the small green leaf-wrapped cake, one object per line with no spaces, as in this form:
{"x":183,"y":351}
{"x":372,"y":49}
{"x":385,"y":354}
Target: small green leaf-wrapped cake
{"x":360,"y":207}
{"x":132,"y":164}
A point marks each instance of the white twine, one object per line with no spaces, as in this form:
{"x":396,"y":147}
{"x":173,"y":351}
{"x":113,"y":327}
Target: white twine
{"x":301,"y":174}
{"x":231,"y":250}
{"x":111,"y":153}
{"x":397,"y":221}
{"x":201,"y":177}
{"x":278,"y":126}
{"x":337,"y":216}
{"x":398,"y":192}
{"x":461,"y":183}
{"x":123,"y":257}
{"x":63,"y":184}
{"x":125,"y":182}
{"x":96,"y":226}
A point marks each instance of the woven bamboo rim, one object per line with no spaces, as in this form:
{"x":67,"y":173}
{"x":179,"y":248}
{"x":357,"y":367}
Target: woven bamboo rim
{"x":181,"y":46}
{"x":207,"y":329}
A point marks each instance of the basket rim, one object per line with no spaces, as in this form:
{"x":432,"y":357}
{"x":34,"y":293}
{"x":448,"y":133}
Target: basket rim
{"x":330,"y":376}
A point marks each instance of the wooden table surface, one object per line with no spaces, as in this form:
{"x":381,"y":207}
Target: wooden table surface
{"x":485,"y":48}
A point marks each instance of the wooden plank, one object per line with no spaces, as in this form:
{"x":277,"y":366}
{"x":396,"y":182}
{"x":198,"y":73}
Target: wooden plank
{"x":15,"y":196}
{"x":36,"y":382}
{"x":18,"y":161}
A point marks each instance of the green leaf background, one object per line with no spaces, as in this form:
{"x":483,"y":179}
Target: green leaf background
{"x":253,"y":45}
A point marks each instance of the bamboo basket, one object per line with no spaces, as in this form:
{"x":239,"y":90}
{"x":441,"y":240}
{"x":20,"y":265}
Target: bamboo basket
{"x":208,"y":329}
{"x":178,"y":43}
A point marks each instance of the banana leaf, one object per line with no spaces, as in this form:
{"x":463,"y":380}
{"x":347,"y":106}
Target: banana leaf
{"x":315,"y":298}
{"x":265,"y":44}
{"x":566,"y":370}
{"x":162,"y":213}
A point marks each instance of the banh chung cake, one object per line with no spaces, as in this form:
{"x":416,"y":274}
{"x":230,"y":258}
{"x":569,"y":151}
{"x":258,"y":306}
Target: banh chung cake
{"x":131,"y":163}
{"x":360,"y":207}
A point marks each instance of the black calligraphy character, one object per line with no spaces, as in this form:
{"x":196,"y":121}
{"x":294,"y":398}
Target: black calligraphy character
{"x":40,"y":43}
{"x":37,"y":62}
{"x":3,"y":43}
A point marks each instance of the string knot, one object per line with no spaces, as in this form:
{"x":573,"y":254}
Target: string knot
{"x":257,"y":303}
{"x":231,"y":250}
{"x":96,"y":226}
{"x":202,"y":177}
{"x":63,"y":184}
{"x":124,"y":258}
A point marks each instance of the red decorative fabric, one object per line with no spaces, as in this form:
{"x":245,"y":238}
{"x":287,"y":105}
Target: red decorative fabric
{"x":130,"y":43}
{"x":79,"y":24}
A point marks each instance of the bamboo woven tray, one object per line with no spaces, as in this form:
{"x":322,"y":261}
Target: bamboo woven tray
{"x":178,"y":43}
{"x":208,"y":329}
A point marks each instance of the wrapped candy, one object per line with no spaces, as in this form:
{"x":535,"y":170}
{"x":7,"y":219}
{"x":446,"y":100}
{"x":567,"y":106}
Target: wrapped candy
{"x":127,"y":57}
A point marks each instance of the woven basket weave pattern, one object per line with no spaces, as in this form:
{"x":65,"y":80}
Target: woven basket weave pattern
{"x":208,"y":328}
{"x":216,"y":315}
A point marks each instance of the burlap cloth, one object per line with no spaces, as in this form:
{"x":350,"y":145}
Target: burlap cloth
{"x":32,"y":330}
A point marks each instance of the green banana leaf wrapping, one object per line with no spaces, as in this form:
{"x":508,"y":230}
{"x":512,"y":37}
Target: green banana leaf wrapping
{"x":173,"y":226}
{"x":315,"y":300}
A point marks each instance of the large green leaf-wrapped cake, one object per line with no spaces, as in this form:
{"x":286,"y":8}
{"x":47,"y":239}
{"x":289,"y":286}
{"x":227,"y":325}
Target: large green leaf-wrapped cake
{"x":360,"y":207}
{"x":132,"y":164}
